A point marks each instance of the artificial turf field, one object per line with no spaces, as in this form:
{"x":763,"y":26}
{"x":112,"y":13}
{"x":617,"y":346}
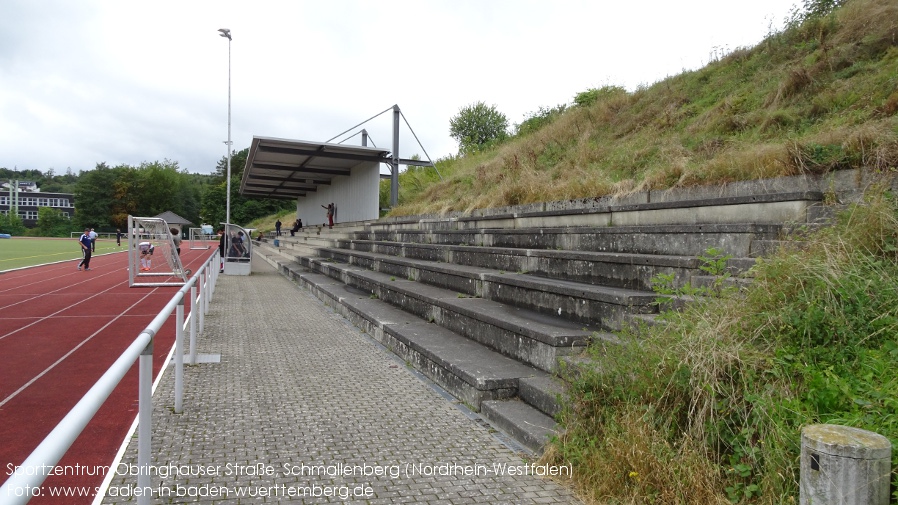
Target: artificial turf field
{"x":60,"y":330}
{"x":21,"y":252}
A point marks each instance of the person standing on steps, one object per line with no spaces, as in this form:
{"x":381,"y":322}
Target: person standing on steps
{"x":277,"y":228}
{"x":330,"y":214}
{"x":221,"y":249}
{"x":86,"y":243}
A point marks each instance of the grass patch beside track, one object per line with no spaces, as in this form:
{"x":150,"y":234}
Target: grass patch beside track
{"x":21,"y":252}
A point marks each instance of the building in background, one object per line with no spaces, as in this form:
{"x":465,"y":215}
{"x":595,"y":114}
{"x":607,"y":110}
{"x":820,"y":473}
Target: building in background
{"x":174,"y":221}
{"x":27,"y":198}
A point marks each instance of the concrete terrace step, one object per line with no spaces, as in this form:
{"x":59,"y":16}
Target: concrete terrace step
{"x":771,"y":208}
{"x":528,"y":336}
{"x":543,"y":393}
{"x":624,"y":270}
{"x":590,"y":304}
{"x":674,"y":240}
{"x":521,"y":421}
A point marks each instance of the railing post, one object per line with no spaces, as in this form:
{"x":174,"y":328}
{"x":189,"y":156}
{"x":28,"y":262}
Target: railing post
{"x":179,"y":356}
{"x":194,"y":313}
{"x":209,"y":286}
{"x":214,"y":271}
{"x":145,"y":424}
{"x":204,"y":299}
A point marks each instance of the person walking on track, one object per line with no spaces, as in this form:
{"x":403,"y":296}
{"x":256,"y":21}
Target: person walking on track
{"x":86,"y":244}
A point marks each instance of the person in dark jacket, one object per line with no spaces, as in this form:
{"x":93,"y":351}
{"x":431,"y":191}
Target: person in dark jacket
{"x":86,"y":244}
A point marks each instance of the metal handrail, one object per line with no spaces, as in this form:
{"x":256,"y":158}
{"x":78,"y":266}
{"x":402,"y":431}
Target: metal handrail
{"x":20,"y":486}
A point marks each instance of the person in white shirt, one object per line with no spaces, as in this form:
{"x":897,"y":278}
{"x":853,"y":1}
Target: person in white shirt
{"x":146,"y":256}
{"x":93,"y":240}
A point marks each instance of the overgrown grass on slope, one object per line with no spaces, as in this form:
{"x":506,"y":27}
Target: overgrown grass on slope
{"x":815,"y":97}
{"x":266,"y":224}
{"x":709,"y":406}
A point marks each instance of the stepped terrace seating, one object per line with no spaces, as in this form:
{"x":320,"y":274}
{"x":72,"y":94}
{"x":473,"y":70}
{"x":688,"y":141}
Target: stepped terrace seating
{"x":488,"y":305}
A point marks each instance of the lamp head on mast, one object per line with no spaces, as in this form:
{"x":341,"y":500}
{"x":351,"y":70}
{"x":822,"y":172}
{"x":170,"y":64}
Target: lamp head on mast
{"x":226,"y":33}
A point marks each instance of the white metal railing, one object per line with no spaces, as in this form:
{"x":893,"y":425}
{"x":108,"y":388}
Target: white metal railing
{"x":22,"y":485}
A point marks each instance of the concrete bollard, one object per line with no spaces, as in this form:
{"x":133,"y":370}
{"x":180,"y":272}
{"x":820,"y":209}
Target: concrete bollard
{"x":844,"y":466}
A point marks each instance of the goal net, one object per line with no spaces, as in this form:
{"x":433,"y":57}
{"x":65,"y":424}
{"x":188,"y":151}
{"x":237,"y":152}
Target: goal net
{"x":200,"y":238}
{"x":153,"y":259}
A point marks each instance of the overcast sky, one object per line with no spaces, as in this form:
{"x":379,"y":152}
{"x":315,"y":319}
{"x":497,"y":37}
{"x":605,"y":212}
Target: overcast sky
{"x":122,"y":82}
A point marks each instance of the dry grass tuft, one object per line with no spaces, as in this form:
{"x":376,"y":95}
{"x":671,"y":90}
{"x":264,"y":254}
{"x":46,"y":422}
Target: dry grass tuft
{"x":639,"y":466}
{"x":795,"y":81}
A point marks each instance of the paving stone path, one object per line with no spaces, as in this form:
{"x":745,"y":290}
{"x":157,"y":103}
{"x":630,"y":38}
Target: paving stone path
{"x":304,"y":408}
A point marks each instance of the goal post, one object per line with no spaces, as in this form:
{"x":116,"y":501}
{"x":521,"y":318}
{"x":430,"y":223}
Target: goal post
{"x":200,"y":238}
{"x":153,"y":259}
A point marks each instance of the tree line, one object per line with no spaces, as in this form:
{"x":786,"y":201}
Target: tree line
{"x":107,"y":195}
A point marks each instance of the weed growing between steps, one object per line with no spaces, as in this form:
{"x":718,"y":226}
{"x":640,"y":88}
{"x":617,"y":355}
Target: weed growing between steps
{"x":708,"y":406}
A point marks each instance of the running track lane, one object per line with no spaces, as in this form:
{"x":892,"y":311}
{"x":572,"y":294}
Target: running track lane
{"x":60,"y":330}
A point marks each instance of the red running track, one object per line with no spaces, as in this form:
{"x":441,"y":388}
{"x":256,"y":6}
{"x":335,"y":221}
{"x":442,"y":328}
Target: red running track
{"x":60,"y":330}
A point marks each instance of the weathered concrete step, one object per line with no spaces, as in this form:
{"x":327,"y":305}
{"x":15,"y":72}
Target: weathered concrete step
{"x":821,"y":213}
{"x":459,"y":278}
{"x":522,"y":422}
{"x":323,"y":241}
{"x":276,"y":257}
{"x":292,"y":247}
{"x":625,"y":270}
{"x":636,"y":322}
{"x":772,"y":208}
{"x":525,"y":335}
{"x":586,"y":303}
{"x":544,"y":393}
{"x":713,"y":283}
{"x":672,"y":239}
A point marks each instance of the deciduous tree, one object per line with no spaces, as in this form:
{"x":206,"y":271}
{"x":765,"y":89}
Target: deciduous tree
{"x":476,"y":126}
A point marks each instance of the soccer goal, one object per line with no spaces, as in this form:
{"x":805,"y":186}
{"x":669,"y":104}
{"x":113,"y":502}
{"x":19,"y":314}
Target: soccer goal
{"x":200,"y":238}
{"x":152,"y":258}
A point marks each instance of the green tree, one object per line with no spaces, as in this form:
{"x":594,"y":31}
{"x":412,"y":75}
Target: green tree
{"x":159,"y":188}
{"x":105,"y":197}
{"x":238,"y":162}
{"x":52,"y":223}
{"x":11,"y":224}
{"x":96,"y":196}
{"x":477,"y":126}
{"x":243,"y":209}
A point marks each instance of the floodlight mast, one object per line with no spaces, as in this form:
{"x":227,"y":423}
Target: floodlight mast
{"x":225,"y":32}
{"x":394,"y":178}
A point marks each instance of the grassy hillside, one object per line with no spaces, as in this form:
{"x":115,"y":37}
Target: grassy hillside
{"x":821,"y":95}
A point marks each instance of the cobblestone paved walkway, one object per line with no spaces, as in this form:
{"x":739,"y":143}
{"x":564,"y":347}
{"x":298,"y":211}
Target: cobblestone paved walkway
{"x":304,"y":408}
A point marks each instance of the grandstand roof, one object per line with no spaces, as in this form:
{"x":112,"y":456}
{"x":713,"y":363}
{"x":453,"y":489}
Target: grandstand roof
{"x":289,"y":169}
